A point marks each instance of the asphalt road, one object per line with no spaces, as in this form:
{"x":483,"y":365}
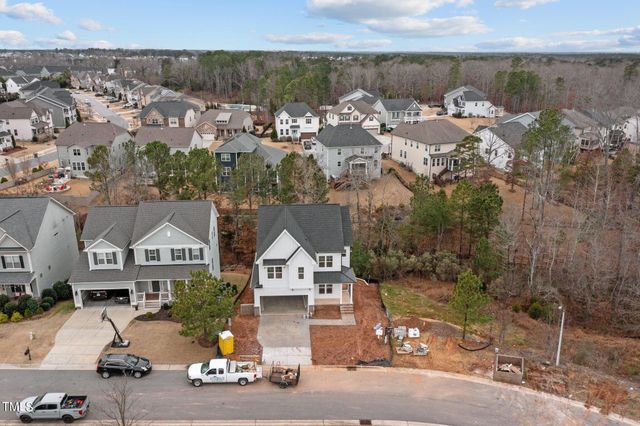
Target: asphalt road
{"x":101,"y":109}
{"x":321,"y":394}
{"x":52,"y":156}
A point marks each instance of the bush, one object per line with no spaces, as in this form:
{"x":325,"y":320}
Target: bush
{"x":49,"y":292}
{"x":4,"y":299}
{"x":63,"y":290}
{"x":44,"y":306}
{"x":28,"y":313}
{"x":10,"y":308}
{"x":516,"y":308}
{"x":16,"y":317}
{"x":22,"y":302}
{"x":31,"y":305}
{"x":49,"y":301}
{"x":40,"y":310}
{"x":537,"y":311}
{"x":148,"y":314}
{"x":4,"y":318}
{"x":4,"y":180}
{"x":34,"y":139}
{"x":274,"y":135}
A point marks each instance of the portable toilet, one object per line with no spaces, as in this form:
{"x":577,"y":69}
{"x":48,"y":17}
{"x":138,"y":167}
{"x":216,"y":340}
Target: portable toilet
{"x":225,"y":342}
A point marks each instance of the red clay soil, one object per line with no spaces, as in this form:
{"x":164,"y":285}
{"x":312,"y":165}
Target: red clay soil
{"x":245,"y":329}
{"x":326,"y":312}
{"x":346,"y":345}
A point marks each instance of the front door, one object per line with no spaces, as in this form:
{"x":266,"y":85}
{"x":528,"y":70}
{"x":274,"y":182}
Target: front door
{"x":155,"y":286}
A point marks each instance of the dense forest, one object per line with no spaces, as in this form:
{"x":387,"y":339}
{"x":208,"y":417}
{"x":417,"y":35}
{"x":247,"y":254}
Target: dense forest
{"x":519,"y":82}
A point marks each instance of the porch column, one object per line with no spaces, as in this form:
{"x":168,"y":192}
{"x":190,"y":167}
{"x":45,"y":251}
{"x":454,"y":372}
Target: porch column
{"x":169,"y":290}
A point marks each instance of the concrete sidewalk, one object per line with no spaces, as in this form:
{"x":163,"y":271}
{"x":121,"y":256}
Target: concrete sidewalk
{"x":82,"y":338}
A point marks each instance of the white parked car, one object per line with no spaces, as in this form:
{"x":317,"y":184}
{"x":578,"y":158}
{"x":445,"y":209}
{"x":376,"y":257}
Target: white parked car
{"x":223,"y":370}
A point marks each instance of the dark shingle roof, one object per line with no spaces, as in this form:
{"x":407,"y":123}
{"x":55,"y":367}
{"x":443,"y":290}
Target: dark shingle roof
{"x":16,"y":110}
{"x":88,"y":134}
{"x":511,"y":133}
{"x":431,"y":132}
{"x":82,"y":274}
{"x":316,"y":227}
{"x":346,"y":135}
{"x":53,"y":84}
{"x":399,"y":104}
{"x":247,"y":143}
{"x":169,"y":108}
{"x":192,"y":217}
{"x":346,"y":275}
{"x":235,"y":121}
{"x":361,"y":106}
{"x":113,"y":224}
{"x":296,"y":109}
{"x":473,"y":96}
{"x":173,"y":137}
{"x":21,"y":218}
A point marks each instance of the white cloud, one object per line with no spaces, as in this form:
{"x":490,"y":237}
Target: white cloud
{"x":12,"y":38}
{"x":308,"y":38}
{"x":92,"y":25}
{"x":363,"y":44}
{"x":96,"y":44}
{"x":29,"y":12}
{"x":401,"y":18}
{"x":66,"y":36}
{"x":537,"y":44}
{"x":436,"y":27}
{"x":522,"y":4}
{"x":342,"y":41}
{"x":614,"y":31}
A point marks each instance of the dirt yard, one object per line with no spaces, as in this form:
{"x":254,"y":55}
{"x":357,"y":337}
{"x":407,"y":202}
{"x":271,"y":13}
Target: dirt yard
{"x":387,"y":190}
{"x":44,"y":327}
{"x":469,"y":124}
{"x":603,"y":371}
{"x":285,"y":146}
{"x":406,"y":174}
{"x":346,"y":345}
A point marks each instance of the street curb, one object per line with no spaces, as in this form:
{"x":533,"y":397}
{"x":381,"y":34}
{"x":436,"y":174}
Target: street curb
{"x":253,"y":423}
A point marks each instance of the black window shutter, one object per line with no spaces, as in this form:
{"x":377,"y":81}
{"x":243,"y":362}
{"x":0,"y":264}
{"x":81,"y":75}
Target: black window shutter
{"x":190,"y":254}
{"x":115,"y":257}
{"x":146,"y":255}
{"x":21,"y":263}
{"x":184,"y":254}
{"x":95,"y":258}
{"x":173,"y":254}
{"x":201,"y":253}
{"x":158,"y":255}
{"x":4,"y":264}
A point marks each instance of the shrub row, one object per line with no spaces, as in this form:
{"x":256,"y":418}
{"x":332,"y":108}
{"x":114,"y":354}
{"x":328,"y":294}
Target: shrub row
{"x":26,"y":306}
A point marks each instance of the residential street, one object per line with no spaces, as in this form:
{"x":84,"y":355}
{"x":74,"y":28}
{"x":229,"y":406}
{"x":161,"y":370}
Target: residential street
{"x":101,"y":109}
{"x":322,"y":394}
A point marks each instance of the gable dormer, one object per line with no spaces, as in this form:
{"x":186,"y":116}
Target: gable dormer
{"x":169,"y":244}
{"x":104,"y":255}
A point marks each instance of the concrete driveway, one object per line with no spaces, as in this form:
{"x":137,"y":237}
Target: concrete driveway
{"x":285,"y":339}
{"x":83,"y":337}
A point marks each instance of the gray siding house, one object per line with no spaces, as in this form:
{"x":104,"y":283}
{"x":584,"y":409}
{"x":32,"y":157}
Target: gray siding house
{"x":77,"y":142}
{"x":348,"y":149}
{"x":37,"y":244}
{"x":396,"y":111}
{"x":141,"y":251}
{"x":228,"y":154}
{"x":59,"y":101}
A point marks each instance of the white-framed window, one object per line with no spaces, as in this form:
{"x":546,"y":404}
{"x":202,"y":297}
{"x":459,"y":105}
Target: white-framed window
{"x":325,"y":288}
{"x":274,"y":272}
{"x":339,"y":163}
{"x":339,"y":151}
{"x":155,"y":121}
{"x":195,"y":254}
{"x":12,"y":262}
{"x":308,"y":121}
{"x":325,"y":261}
{"x":152,"y":255}
{"x":77,"y":152}
{"x":425,"y":161}
{"x":301,"y":273}
{"x":178,"y":254}
{"x":281,"y":121}
{"x":281,"y":132}
{"x":356,"y":117}
{"x":436,"y":148}
{"x":286,"y":121}
{"x":371,"y":118}
{"x":361,"y":151}
{"x":225,"y":157}
{"x":105,"y":258}
{"x":294,"y":121}
{"x":173,"y":121}
{"x":78,"y":166}
{"x":226,"y":171}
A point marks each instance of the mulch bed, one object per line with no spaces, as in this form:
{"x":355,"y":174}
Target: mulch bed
{"x":327,"y":312}
{"x":161,"y":315}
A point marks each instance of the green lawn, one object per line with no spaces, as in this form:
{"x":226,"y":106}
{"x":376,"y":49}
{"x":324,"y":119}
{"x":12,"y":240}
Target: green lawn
{"x":236,"y":278}
{"x":404,"y":301}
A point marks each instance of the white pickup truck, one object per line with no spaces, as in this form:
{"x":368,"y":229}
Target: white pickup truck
{"x":223,"y":370}
{"x":53,"y":405}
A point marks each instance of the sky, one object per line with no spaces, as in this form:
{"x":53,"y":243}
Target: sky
{"x":325,"y":25}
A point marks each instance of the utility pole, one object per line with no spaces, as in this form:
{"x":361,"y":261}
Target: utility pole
{"x":560,"y":337}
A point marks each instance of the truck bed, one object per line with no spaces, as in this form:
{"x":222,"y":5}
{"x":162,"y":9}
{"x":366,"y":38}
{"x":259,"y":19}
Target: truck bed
{"x":73,"y":402}
{"x":242,"y":367}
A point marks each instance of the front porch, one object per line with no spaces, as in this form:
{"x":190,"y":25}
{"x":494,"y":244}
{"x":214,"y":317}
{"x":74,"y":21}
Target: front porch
{"x":154,"y":293}
{"x":17,"y":284}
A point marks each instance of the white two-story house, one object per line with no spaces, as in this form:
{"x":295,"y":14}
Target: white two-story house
{"x":302,"y":258}
{"x":37,"y":244}
{"x":26,"y":121}
{"x":141,"y":251}
{"x":296,"y":121}
{"x":392,"y":112}
{"x":427,"y":148}
{"x":77,"y":143}
{"x":354,"y":112}
{"x":467,"y":101}
{"x":500,"y":142}
{"x":15,"y":83}
{"x":347,"y":149}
